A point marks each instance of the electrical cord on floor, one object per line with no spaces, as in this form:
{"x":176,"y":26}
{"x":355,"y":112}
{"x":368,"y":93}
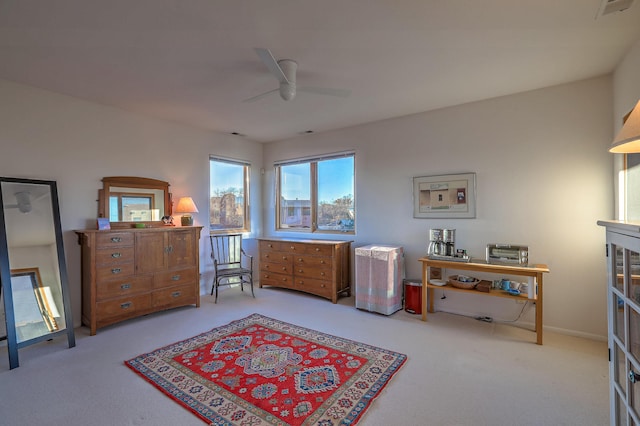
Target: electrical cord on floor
{"x":485,"y":318}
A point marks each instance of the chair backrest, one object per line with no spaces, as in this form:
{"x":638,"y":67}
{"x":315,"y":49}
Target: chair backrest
{"x":226,"y":250}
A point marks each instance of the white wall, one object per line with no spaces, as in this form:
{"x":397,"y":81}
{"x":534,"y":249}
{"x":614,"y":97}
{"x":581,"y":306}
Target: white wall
{"x":626,"y":85}
{"x":44,"y":135}
{"x":543,"y":179}
{"x":626,"y":93}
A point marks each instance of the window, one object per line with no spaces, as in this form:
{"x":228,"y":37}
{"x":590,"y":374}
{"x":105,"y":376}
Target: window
{"x":228,"y":195}
{"x":316,"y":195}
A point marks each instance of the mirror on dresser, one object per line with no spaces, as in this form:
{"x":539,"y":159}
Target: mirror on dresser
{"x":33,"y":273}
{"x":126,"y":200}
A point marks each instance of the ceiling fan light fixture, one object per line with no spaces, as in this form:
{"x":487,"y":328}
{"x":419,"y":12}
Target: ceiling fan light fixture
{"x":287,"y":91}
{"x":24,"y":201}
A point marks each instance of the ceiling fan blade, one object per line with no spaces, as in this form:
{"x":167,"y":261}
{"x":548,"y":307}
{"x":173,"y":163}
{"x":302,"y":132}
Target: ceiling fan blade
{"x":343,"y":93}
{"x":260,"y":96}
{"x":271,"y":63}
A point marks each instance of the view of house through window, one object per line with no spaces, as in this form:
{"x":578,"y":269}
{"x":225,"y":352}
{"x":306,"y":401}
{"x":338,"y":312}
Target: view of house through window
{"x":228,"y":195}
{"x":317,"y":194}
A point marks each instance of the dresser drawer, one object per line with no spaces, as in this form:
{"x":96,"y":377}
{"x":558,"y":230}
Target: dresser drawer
{"x":174,"y":278}
{"x":316,"y":272}
{"x":282,"y":246}
{"x":315,"y":249}
{"x":114,"y":239}
{"x":318,"y":287}
{"x":278,"y":280}
{"x":123,"y":308}
{"x":123,"y":287}
{"x":114,"y":271}
{"x":275,"y":257}
{"x":279,"y":268}
{"x":112,"y":255}
{"x":174,"y":296}
{"x":313,"y":261}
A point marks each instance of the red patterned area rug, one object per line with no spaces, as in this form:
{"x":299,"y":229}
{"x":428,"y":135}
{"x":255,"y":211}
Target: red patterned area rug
{"x":262,"y":371}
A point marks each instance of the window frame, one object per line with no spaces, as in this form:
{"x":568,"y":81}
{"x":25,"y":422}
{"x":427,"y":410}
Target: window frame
{"x":314,"y":190}
{"x":246,"y":227}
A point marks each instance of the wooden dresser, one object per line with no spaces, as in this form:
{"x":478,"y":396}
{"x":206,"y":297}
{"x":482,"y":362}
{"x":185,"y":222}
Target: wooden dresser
{"x":320,"y":267}
{"x":127,"y":273}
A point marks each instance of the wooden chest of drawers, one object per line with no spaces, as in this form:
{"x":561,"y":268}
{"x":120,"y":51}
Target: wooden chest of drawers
{"x":127,"y":273}
{"x":320,"y":267}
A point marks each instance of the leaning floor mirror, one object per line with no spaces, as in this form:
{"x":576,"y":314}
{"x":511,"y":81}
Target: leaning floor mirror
{"x":33,"y":272}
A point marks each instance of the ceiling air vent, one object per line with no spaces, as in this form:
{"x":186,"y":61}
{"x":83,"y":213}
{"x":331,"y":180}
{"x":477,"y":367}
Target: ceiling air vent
{"x":611,"y":6}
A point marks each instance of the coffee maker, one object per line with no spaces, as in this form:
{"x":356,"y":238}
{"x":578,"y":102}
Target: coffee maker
{"x":436,"y":243}
{"x":449,"y":239}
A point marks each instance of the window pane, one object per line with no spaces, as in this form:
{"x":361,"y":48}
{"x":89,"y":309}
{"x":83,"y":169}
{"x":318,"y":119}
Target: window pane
{"x":295,"y":196}
{"x":335,"y":194}
{"x":632,"y":187}
{"x":227,"y":196}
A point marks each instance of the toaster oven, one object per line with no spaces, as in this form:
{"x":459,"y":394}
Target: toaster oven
{"x":507,"y":254}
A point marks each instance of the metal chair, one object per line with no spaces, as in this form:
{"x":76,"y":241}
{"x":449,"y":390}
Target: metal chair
{"x":228,"y":256}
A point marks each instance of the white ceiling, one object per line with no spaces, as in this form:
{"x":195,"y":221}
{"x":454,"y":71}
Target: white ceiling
{"x":193,"y":61}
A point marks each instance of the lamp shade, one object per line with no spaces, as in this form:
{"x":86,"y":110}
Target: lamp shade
{"x":628,"y":139}
{"x":186,"y":205}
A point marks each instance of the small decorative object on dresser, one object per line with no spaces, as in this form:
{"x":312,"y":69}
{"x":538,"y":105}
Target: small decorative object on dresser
{"x":127,"y":273}
{"x":103,"y":224}
{"x":320,"y":267}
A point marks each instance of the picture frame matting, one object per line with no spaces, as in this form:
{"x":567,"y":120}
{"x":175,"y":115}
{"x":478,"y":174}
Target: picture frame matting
{"x":445,"y":196}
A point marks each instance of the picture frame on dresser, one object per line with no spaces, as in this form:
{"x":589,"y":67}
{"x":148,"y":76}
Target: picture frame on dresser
{"x":103,"y":224}
{"x":445,"y":196}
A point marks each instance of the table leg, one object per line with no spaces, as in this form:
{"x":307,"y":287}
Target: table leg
{"x":424,"y":291}
{"x":539,"y":311}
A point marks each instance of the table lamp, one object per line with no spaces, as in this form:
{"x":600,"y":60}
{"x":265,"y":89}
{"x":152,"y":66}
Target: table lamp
{"x":628,"y":139}
{"x":187,"y":206}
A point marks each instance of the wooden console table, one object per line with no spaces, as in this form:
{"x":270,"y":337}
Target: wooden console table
{"x":535,"y":272}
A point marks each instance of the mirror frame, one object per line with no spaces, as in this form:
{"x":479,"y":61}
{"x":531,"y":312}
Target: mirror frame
{"x":5,"y":276}
{"x":132,"y":182}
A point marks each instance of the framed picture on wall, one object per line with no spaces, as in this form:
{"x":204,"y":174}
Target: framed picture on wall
{"x":445,"y":196}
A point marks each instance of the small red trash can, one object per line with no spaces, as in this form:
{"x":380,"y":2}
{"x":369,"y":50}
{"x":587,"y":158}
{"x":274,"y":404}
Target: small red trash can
{"x":413,"y":296}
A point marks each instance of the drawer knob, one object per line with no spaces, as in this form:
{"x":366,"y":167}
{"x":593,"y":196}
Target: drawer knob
{"x":125,"y":286}
{"x":322,"y":285}
{"x":125,"y":305}
{"x":116,"y":239}
{"x":270,"y":245}
{"x":266,"y":275}
{"x":116,"y":255}
{"x":322,"y":262}
{"x":292,"y":248}
{"x":284,"y":279}
{"x":317,"y":248}
{"x":116,"y":270}
{"x":176,"y":294}
{"x":322,"y":274}
{"x":284,"y":268}
{"x":284,"y":257}
{"x":175,"y":278}
{"x":266,"y":255}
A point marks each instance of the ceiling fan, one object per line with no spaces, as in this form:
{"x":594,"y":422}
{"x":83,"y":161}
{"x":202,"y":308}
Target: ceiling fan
{"x":285,"y":71}
{"x":24,"y":201}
